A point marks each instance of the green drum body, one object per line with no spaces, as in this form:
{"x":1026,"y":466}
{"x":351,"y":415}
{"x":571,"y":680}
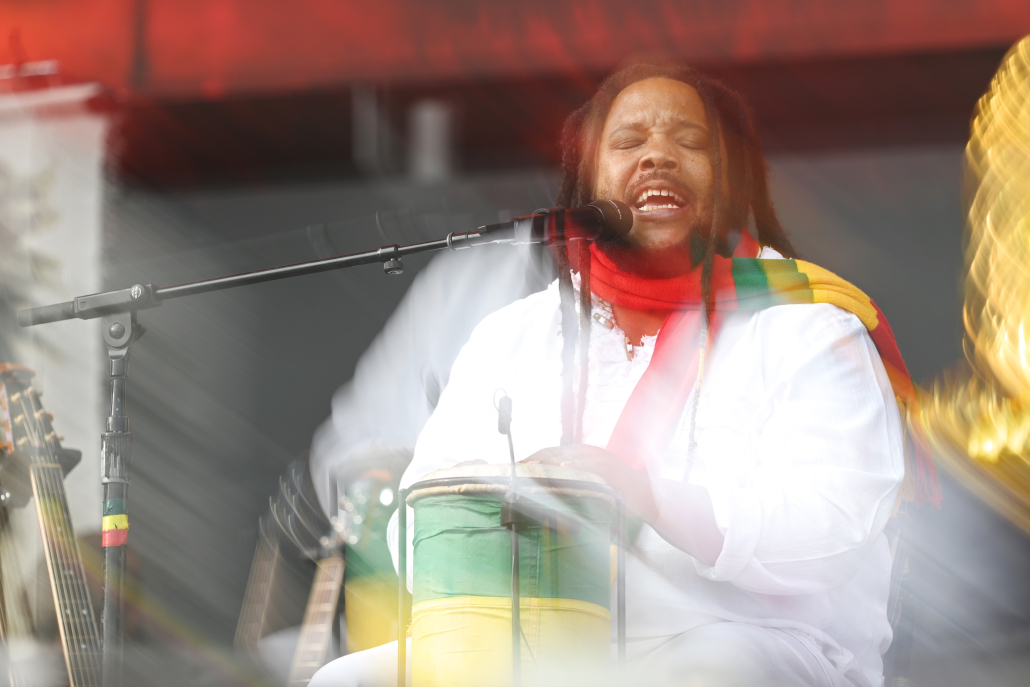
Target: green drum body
{"x":461,"y":618}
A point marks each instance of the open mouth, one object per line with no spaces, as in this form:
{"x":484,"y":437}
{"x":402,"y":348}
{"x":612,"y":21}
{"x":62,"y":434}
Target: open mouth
{"x":658,"y":198}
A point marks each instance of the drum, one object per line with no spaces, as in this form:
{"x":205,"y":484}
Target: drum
{"x":461,"y":623}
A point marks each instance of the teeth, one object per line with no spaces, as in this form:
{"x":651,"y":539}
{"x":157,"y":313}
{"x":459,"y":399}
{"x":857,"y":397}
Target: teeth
{"x":658,"y":193}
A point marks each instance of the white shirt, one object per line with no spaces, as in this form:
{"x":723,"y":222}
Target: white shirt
{"x":378,"y":415}
{"x":798,"y":442}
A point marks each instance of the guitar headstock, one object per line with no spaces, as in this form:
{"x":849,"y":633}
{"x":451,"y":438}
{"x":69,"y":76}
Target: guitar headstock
{"x":27,"y":437}
{"x":15,"y":380}
{"x":295,"y":513}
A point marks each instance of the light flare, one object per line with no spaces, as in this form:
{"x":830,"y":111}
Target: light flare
{"x":984,"y":410}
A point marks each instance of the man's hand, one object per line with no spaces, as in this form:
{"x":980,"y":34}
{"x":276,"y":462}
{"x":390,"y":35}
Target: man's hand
{"x":635,"y":486}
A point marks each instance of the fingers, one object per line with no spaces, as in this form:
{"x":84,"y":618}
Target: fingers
{"x":581,"y":456}
{"x":548,"y":456}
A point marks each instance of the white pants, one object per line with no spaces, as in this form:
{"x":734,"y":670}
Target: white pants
{"x":717,"y":655}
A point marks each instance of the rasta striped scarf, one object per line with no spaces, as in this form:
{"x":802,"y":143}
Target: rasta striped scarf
{"x":741,"y":282}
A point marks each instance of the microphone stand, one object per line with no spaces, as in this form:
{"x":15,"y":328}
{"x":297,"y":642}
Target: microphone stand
{"x":118,"y":313}
{"x":510,"y":519}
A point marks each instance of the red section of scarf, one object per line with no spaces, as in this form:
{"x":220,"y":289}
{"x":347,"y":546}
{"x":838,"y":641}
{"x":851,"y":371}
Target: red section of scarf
{"x":656,"y":404}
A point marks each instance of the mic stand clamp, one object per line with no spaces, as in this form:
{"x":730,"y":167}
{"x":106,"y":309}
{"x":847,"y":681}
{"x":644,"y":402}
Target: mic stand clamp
{"x":120,"y":330}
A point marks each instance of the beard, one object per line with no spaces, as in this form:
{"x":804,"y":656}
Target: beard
{"x":660,"y":262}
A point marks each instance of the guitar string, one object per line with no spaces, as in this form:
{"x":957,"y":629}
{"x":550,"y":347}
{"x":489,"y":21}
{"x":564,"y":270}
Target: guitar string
{"x":45,"y":519}
{"x":31,"y":429}
{"x":72,"y":558}
{"x":65,"y":547}
{"x":82,"y":616}
{"x":309,"y":629}
{"x":85,"y":626}
{"x":321,"y":592}
{"x":324,"y":593}
{"x":54,"y":548}
{"x":58,"y":546}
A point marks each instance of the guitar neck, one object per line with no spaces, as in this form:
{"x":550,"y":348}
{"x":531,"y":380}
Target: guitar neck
{"x":317,"y":630}
{"x":35,"y":443}
{"x":75,"y":620}
{"x":258,"y":598}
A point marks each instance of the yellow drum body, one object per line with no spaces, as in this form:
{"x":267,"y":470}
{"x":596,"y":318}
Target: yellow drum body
{"x":461,"y":617}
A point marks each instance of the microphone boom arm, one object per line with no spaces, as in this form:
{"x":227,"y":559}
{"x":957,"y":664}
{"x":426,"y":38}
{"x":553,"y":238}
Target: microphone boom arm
{"x":608,"y":218}
{"x":143,"y":296}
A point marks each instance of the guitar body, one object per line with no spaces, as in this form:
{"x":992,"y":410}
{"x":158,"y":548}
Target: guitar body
{"x":32,"y":450}
{"x":16,"y":628}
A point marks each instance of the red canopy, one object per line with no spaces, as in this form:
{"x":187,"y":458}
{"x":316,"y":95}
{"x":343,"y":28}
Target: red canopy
{"x":187,"y":48}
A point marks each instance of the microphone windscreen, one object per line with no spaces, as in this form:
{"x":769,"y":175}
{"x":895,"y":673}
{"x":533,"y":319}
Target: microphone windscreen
{"x":616,"y":217}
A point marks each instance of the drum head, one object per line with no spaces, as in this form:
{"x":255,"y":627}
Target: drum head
{"x":503,"y":470}
{"x":484,"y":478}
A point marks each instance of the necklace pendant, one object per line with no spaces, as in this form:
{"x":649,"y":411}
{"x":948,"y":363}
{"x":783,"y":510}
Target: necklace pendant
{"x":604,"y":320}
{"x":629,"y":349}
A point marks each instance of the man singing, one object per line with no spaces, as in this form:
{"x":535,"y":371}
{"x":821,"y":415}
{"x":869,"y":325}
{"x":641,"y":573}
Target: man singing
{"x":745,"y":407}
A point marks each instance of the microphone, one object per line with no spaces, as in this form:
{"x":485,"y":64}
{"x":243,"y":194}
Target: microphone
{"x":600,"y":220}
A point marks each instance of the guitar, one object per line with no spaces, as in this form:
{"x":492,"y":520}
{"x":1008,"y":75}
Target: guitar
{"x":276,"y":580}
{"x":296,"y":519}
{"x":34,"y":465}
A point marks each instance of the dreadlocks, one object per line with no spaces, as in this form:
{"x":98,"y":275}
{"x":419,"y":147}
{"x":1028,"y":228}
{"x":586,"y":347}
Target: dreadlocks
{"x":732,"y":132}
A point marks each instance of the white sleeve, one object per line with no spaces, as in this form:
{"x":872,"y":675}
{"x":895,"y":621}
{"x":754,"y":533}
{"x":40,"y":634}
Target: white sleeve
{"x":464,"y":425}
{"x":827,"y":450}
{"x":378,"y":415}
{"x":515,"y":350}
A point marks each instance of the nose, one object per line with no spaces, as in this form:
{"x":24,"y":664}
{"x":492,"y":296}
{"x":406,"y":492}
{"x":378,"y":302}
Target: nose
{"x":657,"y":157}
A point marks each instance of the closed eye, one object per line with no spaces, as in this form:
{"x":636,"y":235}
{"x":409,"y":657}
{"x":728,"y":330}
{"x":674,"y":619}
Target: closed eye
{"x":626,"y":144}
{"x":693,"y":143}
